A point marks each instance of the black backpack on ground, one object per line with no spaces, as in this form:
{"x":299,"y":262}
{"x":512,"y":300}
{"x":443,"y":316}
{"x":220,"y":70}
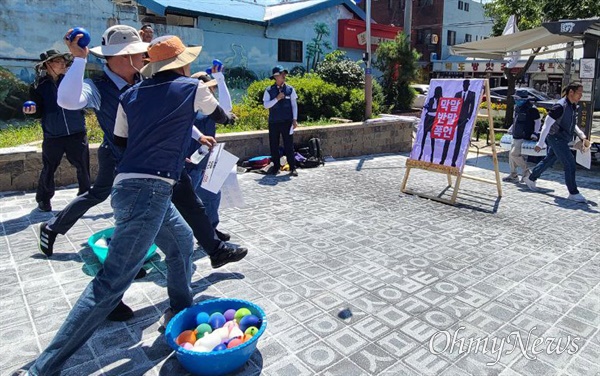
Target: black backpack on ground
{"x":313,"y":154}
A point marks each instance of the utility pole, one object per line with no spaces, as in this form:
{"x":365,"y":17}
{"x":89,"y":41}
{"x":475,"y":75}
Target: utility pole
{"x":408,"y":19}
{"x":368,"y":72}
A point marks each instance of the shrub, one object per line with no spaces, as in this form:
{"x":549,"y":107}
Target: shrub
{"x":13,"y":92}
{"x":337,"y":68}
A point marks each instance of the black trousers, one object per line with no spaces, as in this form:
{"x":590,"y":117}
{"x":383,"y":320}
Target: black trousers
{"x":193,"y":212}
{"x":76,"y":149}
{"x":460,"y":131}
{"x":282,"y":129}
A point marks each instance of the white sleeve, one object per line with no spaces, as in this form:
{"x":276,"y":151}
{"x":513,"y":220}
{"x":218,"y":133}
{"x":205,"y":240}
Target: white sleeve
{"x":544,"y":132}
{"x":204,"y":101}
{"x":294,"y":99}
{"x":580,"y":133}
{"x":537,"y":125}
{"x":224,"y":96}
{"x":196,"y":134}
{"x":267,"y":101}
{"x":71,"y":93}
{"x":121,"y":125}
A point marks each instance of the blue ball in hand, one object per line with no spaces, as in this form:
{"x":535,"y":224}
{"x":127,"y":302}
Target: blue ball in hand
{"x":29,"y":104}
{"x":84,"y":40}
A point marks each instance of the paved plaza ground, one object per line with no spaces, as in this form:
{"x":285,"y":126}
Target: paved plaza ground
{"x":355,"y":277}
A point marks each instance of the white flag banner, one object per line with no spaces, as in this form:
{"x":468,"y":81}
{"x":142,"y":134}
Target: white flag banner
{"x":511,"y":28}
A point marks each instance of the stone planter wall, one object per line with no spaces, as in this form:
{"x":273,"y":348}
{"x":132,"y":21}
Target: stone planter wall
{"x":20,"y":167}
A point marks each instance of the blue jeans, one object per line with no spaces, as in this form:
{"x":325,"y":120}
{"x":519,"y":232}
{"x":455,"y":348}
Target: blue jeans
{"x":66,"y":218}
{"x":558,"y":148}
{"x":144,"y":214}
{"x":210,"y":200}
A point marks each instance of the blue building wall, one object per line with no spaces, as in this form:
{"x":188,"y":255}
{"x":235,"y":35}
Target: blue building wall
{"x":255,"y":47}
{"x":462,"y":22}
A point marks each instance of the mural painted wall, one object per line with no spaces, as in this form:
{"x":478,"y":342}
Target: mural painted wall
{"x":249,"y":49}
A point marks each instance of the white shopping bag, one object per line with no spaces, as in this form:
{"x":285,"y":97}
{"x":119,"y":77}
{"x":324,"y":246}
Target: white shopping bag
{"x":231,"y":194}
{"x":220,"y":163}
{"x":584,"y":158}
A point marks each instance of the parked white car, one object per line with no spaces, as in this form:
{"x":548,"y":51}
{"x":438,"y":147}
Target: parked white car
{"x":422,"y":91}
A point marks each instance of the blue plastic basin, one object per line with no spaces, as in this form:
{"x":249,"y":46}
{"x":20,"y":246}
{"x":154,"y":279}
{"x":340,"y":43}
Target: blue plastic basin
{"x":101,"y":252}
{"x":216,"y":362}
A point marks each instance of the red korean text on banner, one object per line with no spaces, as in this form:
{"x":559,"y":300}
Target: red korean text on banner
{"x":446,"y":118}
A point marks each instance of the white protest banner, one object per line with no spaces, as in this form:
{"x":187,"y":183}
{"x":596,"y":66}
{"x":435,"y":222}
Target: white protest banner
{"x":220,"y":162}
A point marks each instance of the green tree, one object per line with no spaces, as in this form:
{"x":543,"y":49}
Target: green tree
{"x":316,"y":48}
{"x":530,"y":14}
{"x":399,"y":64}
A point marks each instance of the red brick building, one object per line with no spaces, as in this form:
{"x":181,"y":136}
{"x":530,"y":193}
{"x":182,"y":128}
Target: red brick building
{"x":427,"y":20}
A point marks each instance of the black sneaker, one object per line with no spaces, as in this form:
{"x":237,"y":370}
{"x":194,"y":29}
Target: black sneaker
{"x":44,"y":206}
{"x":226,"y":255}
{"x":121,"y":313}
{"x":223,"y":236}
{"x":47,"y":238}
{"x":294,"y":172}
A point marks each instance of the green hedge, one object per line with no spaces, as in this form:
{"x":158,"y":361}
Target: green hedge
{"x":316,"y":99}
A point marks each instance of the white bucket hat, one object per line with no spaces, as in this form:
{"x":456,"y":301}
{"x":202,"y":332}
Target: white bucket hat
{"x":120,"y":40}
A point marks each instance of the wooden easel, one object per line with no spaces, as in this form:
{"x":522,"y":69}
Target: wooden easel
{"x":454,"y":171}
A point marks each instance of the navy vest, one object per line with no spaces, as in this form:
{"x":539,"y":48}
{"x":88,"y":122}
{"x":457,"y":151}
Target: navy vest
{"x":56,"y":121}
{"x":160,"y":113}
{"x":564,"y":127}
{"x":524,"y":122}
{"x":282,"y":111}
{"x":109,"y":103}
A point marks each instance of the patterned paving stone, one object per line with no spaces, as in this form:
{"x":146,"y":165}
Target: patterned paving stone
{"x":358,"y":285}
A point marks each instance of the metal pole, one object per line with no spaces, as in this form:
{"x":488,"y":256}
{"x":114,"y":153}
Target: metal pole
{"x":368,"y":73}
{"x":408,"y":19}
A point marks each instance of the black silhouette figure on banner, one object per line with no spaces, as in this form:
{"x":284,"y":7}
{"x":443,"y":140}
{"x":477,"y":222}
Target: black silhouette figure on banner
{"x":431,"y":110}
{"x":466,"y":111}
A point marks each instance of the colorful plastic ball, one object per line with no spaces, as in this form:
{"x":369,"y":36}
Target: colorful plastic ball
{"x":234,"y":342}
{"x":186,"y":336}
{"x":202,"y":318}
{"x":202,"y":330}
{"x":248,"y":321}
{"x":222,"y":333}
{"x":229,"y":325}
{"x":29,"y":104}
{"x":187,"y":346}
{"x":229,"y":314}
{"x":246,"y":337}
{"x":216,"y":320}
{"x":235,"y":332}
{"x":240,"y":313}
{"x":220,"y":347}
{"x":200,"y":349}
{"x":84,"y":40}
{"x":209,"y":341}
{"x":251,"y":330}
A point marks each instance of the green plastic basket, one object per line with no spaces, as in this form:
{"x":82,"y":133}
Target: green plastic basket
{"x":101,"y":252}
